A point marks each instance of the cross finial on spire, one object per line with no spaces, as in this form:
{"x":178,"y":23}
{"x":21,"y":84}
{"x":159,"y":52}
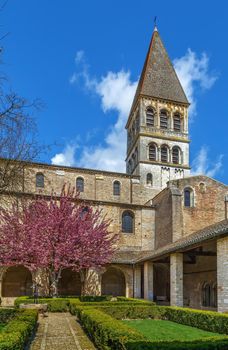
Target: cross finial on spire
{"x":155,"y":24}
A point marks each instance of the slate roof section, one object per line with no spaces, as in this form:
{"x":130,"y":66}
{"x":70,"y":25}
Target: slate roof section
{"x":158,"y":78}
{"x":126,"y":256}
{"x":210,"y":232}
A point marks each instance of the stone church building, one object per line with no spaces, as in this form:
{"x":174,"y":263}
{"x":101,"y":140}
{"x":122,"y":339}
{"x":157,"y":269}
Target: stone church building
{"x":173,"y":245}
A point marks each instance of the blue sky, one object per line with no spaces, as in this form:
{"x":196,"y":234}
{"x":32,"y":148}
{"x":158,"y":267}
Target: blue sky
{"x":83,"y":60}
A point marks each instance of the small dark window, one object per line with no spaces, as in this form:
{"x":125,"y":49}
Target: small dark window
{"x":209,"y":295}
{"x":177,"y":122}
{"x":149,"y":179}
{"x":150,"y":117}
{"x":127,"y":222}
{"x":40,"y":180}
{"x":164,"y":154}
{"x":163,"y":120}
{"x":152,"y":152}
{"x":188,"y":197}
{"x":206,"y":294}
{"x":116,"y":188}
{"x":176,"y":155}
{"x":84,"y":211}
{"x":80,"y":184}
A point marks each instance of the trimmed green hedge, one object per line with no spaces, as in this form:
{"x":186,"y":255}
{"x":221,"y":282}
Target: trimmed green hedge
{"x":95,"y":298}
{"x":134,"y":300}
{"x":6,"y":315}
{"x":105,"y":331}
{"x":19,"y":329}
{"x":54,"y":304}
{"x":208,"y":320}
{"x":133,"y":311}
{"x":62,"y":304}
{"x":109,"y":333}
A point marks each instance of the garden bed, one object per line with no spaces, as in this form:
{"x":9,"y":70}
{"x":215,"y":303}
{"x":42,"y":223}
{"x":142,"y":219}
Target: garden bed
{"x":17,"y":328}
{"x":112,"y":324}
{"x":105,"y":326}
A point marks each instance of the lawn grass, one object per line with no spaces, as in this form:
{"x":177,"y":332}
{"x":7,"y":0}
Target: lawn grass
{"x":157,"y":330}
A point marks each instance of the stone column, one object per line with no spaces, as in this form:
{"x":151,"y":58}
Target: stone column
{"x":137,"y":282}
{"x":222,"y":274}
{"x":176,"y":279}
{"x":41,"y":277}
{"x":148,"y":280}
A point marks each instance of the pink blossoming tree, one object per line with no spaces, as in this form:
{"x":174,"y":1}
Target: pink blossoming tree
{"x":55,"y":234}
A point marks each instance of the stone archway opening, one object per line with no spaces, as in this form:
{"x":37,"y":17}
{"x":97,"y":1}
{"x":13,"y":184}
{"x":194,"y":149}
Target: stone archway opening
{"x":162,"y":283}
{"x":17,"y":281}
{"x":113,"y":282}
{"x":69,"y":283}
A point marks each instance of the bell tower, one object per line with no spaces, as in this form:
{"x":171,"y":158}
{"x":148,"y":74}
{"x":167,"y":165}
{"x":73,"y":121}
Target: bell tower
{"x":157,"y":127}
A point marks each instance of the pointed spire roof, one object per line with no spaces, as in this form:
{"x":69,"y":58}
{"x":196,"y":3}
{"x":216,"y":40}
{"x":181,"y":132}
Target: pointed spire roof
{"x":158,"y":78}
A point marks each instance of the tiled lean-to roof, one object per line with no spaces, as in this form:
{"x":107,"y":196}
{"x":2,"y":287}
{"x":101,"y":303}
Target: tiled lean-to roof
{"x":210,"y":232}
{"x":158,"y":78}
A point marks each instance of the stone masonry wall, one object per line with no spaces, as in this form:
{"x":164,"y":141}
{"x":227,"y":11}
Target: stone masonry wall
{"x":209,"y":206}
{"x":163,"y":218}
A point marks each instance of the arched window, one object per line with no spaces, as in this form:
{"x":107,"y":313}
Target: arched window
{"x":164,"y":154}
{"x":149,"y":179}
{"x":206,"y":295}
{"x":40,"y":180}
{"x":152,"y":152}
{"x":188,"y":197}
{"x":163,"y":119}
{"x":150,"y":117}
{"x":209,"y":294}
{"x":176,"y":155}
{"x":116,"y":188}
{"x":127,"y":222}
{"x":80,"y":184}
{"x":177,"y":122}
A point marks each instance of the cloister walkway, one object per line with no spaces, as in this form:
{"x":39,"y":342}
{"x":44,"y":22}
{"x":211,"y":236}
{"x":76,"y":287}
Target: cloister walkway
{"x":60,"y":331}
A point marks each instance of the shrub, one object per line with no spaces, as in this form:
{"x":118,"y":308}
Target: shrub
{"x":133,"y":311}
{"x":95,"y":298}
{"x":54,"y":304}
{"x":57,"y":305}
{"x":208,"y":320}
{"x":109,"y":333}
{"x":105,"y":331}
{"x":134,"y":300}
{"x":6,"y":315}
{"x":19,"y":329}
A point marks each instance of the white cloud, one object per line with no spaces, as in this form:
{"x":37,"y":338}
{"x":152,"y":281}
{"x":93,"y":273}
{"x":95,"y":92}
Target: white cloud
{"x":116,"y":91}
{"x":202,"y":165}
{"x":79,"y":57}
{"x":193,"y":71}
{"x":67,"y":157}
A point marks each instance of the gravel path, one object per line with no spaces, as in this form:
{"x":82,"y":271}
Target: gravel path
{"x":60,"y":331}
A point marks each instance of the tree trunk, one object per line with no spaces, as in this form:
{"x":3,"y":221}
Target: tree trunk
{"x":54,"y":279}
